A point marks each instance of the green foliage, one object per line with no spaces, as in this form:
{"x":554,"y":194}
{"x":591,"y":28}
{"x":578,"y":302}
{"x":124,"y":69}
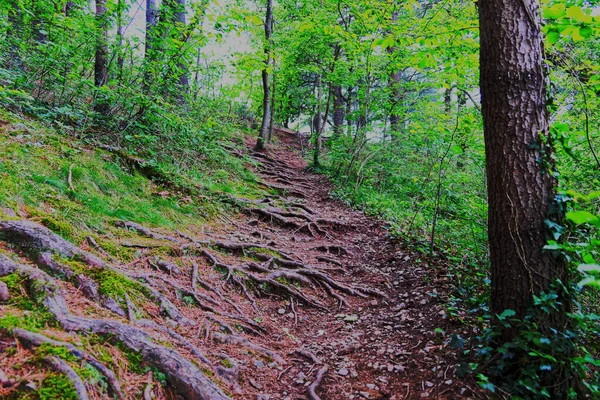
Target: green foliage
{"x":55,"y":386}
{"x":525,"y":366}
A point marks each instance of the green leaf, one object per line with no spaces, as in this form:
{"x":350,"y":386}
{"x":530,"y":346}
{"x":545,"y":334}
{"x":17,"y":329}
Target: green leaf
{"x":578,"y":15}
{"x":553,"y":36}
{"x":589,"y":268}
{"x":554,"y":12}
{"x":583,"y":217}
{"x":585,"y":31}
{"x":507,"y":314}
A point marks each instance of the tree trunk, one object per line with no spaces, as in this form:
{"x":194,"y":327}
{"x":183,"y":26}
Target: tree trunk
{"x":338,"y":111}
{"x":521,"y":186}
{"x":120,"y":58}
{"x":14,"y":20}
{"x":273,"y":93}
{"x":448,"y":100}
{"x":264,"y":127}
{"x":101,"y":59}
{"x":394,"y":87}
{"x":151,"y":21}
{"x":37,"y":23}
{"x":69,"y":6}
{"x":318,"y":125}
{"x":179,"y":19}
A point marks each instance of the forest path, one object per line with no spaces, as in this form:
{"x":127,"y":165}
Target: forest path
{"x":376,"y":347}
{"x":291,"y":296}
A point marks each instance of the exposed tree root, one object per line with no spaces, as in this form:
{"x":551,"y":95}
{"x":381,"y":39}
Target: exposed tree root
{"x":240,"y":341}
{"x":332,"y":249}
{"x":284,"y":189}
{"x":42,"y":245}
{"x":308,"y":354}
{"x":143,"y":230}
{"x":312,"y":389}
{"x":62,"y":367}
{"x":244,"y":272}
{"x":183,"y":375}
{"x":37,"y":339}
{"x":329,"y":260}
{"x":92,"y":242}
{"x":230,"y":374}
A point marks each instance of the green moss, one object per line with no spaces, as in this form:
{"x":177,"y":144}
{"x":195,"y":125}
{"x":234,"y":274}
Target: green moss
{"x":55,"y":386}
{"x":226,"y":363}
{"x":135,"y":360}
{"x":46,"y":349}
{"x":32,"y":321}
{"x":60,"y":227}
{"x":268,"y":252}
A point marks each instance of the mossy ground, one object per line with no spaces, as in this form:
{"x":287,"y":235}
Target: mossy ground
{"x":76,"y":190}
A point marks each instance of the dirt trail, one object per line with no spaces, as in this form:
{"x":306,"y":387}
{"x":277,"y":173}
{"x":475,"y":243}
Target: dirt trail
{"x":296,"y":297}
{"x":375,"y":348}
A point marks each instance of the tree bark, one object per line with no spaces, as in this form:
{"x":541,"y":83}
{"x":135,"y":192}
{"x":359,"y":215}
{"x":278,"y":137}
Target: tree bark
{"x":179,"y":19}
{"x":69,"y":6}
{"x":264,"y":127}
{"x":120,"y":58}
{"x":101,"y":59}
{"x":151,"y":21}
{"x":394,"y":87}
{"x":521,"y":187}
{"x":338,"y":111}
{"x":318,"y":124}
{"x":14,"y":20}
{"x":37,"y":23}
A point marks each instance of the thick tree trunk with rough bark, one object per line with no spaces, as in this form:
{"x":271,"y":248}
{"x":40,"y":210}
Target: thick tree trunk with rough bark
{"x":101,"y":59}
{"x":264,"y":127}
{"x":521,"y":186}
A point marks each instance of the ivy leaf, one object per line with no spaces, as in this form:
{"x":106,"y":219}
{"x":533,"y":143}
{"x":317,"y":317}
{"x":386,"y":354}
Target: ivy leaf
{"x":587,"y":268}
{"x":583,"y":217}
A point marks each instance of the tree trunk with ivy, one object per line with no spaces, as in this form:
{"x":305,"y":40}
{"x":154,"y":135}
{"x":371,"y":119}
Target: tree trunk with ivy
{"x":521,"y":184}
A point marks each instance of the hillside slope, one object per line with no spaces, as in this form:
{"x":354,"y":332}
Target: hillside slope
{"x":126,"y":283}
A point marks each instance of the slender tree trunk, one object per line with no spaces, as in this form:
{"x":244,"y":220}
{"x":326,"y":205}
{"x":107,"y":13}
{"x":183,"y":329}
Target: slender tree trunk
{"x":151,"y":21}
{"x":69,"y":6}
{"x":521,"y":187}
{"x":349,"y":100}
{"x":338,"y":111}
{"x":101,"y":59}
{"x":179,"y":17}
{"x":120,"y":58}
{"x":264,"y":127}
{"x":37,"y":23}
{"x":14,"y":20}
{"x":395,"y":81}
{"x":448,"y":100}
{"x":273,"y":93}
{"x":318,"y":125}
